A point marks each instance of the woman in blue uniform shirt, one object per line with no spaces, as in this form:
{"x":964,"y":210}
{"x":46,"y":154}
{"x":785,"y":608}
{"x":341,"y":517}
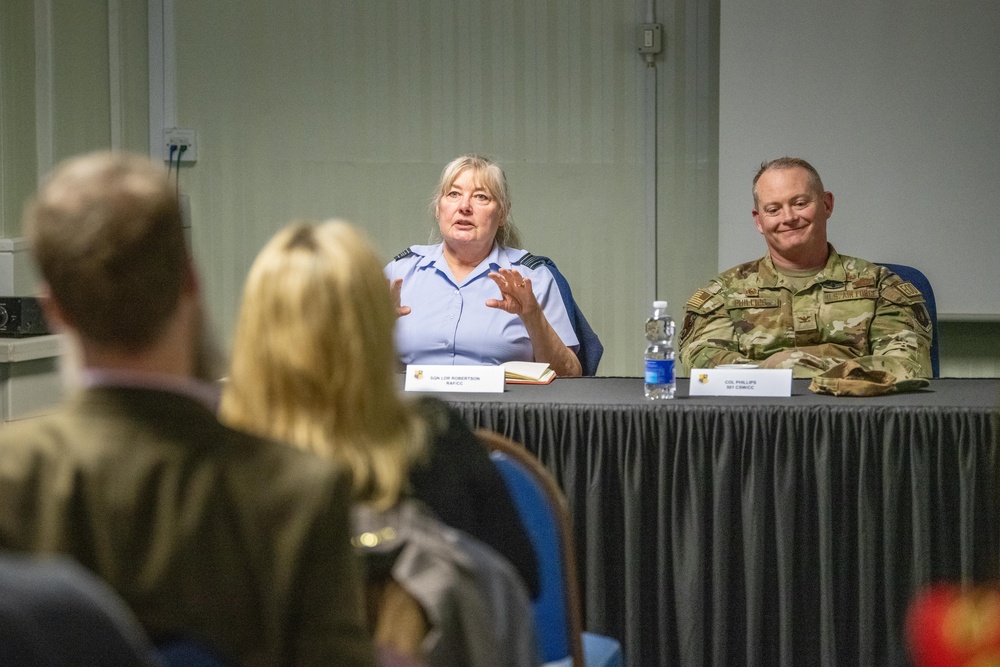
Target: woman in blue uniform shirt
{"x":468,"y":299}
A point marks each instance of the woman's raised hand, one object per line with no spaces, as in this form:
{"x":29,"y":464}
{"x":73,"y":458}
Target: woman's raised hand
{"x":395,"y":288}
{"x":515,"y":290}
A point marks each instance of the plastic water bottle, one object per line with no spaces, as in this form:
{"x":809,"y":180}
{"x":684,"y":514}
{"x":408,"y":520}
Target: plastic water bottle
{"x":660,"y":353}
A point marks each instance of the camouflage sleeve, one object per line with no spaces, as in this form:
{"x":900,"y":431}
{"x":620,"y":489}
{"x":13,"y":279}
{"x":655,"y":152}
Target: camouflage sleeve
{"x":708,"y":337}
{"x":900,"y":332}
{"x":809,"y":360}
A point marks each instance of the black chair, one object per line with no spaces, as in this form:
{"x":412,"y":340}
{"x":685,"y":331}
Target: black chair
{"x":53,"y":611}
{"x":919,"y":280}
{"x":591,"y":350}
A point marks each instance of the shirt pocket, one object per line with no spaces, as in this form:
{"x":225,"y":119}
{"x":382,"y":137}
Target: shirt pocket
{"x":759,"y":324}
{"x":846,"y":314}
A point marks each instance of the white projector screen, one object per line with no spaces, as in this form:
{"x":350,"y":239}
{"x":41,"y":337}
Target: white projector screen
{"x":897,"y":104}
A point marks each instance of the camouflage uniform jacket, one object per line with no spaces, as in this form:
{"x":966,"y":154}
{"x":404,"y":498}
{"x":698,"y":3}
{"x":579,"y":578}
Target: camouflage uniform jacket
{"x":852,"y":309}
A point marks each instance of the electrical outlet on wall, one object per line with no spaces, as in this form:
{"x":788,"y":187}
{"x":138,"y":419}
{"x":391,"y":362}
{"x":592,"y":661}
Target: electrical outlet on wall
{"x":184,"y":142}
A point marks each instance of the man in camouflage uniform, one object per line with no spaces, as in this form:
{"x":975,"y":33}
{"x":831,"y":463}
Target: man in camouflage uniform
{"x":803,"y":305}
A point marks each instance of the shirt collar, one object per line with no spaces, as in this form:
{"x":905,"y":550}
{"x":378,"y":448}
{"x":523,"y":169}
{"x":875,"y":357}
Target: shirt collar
{"x":206,"y":393}
{"x":491,"y":262}
{"x":834,"y":271}
{"x":435,"y":253}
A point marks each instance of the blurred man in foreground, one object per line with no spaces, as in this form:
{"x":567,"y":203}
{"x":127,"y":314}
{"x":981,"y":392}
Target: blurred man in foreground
{"x":206,"y":532}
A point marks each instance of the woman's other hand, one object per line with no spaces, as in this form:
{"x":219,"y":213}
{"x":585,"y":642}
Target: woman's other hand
{"x":395,"y":288}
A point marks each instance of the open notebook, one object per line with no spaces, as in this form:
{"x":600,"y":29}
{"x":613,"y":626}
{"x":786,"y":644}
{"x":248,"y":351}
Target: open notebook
{"x":527,"y":372}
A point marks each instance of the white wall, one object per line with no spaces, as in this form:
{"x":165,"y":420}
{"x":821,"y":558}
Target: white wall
{"x":243,"y":189}
{"x":17,"y":112}
{"x":351,"y":110}
{"x":896,"y":104}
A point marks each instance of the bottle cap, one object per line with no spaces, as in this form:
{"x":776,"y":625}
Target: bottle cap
{"x":660,"y":304}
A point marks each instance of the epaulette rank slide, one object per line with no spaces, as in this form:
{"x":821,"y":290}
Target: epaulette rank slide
{"x":531,"y":261}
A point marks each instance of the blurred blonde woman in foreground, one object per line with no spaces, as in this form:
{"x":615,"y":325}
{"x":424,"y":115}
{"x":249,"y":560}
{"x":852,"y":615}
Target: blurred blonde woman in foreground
{"x":313,"y":359}
{"x":314,"y":364}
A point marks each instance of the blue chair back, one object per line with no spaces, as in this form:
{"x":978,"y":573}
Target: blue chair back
{"x":591,"y":349}
{"x":188,"y":652}
{"x":551,"y":620}
{"x":545,"y":514}
{"x":919,"y":280}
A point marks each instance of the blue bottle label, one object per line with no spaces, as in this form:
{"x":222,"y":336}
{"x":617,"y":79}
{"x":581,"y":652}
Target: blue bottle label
{"x":659,"y":371}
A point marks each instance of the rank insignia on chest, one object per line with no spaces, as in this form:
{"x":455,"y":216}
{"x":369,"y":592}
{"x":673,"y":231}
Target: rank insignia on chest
{"x":804,"y":322}
{"x":752,"y":292}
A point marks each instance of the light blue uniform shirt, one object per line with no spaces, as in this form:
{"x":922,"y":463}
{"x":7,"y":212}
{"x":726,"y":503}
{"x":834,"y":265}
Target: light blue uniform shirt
{"x":450,"y":323}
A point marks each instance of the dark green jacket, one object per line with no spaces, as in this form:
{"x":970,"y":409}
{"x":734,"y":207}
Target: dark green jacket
{"x":203,"y":530}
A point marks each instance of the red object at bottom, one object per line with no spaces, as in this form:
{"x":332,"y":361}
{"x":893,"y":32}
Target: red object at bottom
{"x":952,"y":626}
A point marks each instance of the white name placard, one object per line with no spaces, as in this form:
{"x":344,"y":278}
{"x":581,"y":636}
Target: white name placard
{"x":741,"y":382}
{"x":479,"y":379}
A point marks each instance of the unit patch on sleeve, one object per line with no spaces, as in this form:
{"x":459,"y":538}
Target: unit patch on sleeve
{"x":908,"y":289}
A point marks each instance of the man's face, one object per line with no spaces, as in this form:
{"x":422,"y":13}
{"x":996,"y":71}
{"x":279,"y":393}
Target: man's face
{"x":791,"y":215}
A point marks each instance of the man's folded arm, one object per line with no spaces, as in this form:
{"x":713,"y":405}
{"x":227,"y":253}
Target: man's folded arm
{"x":900,"y":333}
{"x":708,"y":338}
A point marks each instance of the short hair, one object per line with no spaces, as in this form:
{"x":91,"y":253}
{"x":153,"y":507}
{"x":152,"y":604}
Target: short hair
{"x":106,"y":232}
{"x":815,"y":182}
{"x":314,"y":360}
{"x":488,"y":175}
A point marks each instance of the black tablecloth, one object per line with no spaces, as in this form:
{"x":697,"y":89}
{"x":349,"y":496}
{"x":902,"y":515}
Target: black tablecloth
{"x":767,"y":531}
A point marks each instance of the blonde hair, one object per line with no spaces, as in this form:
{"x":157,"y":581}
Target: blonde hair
{"x":314,"y":358}
{"x":489,"y":176}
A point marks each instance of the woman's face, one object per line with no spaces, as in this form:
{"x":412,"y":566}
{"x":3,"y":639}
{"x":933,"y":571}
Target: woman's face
{"x":467,"y":215}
